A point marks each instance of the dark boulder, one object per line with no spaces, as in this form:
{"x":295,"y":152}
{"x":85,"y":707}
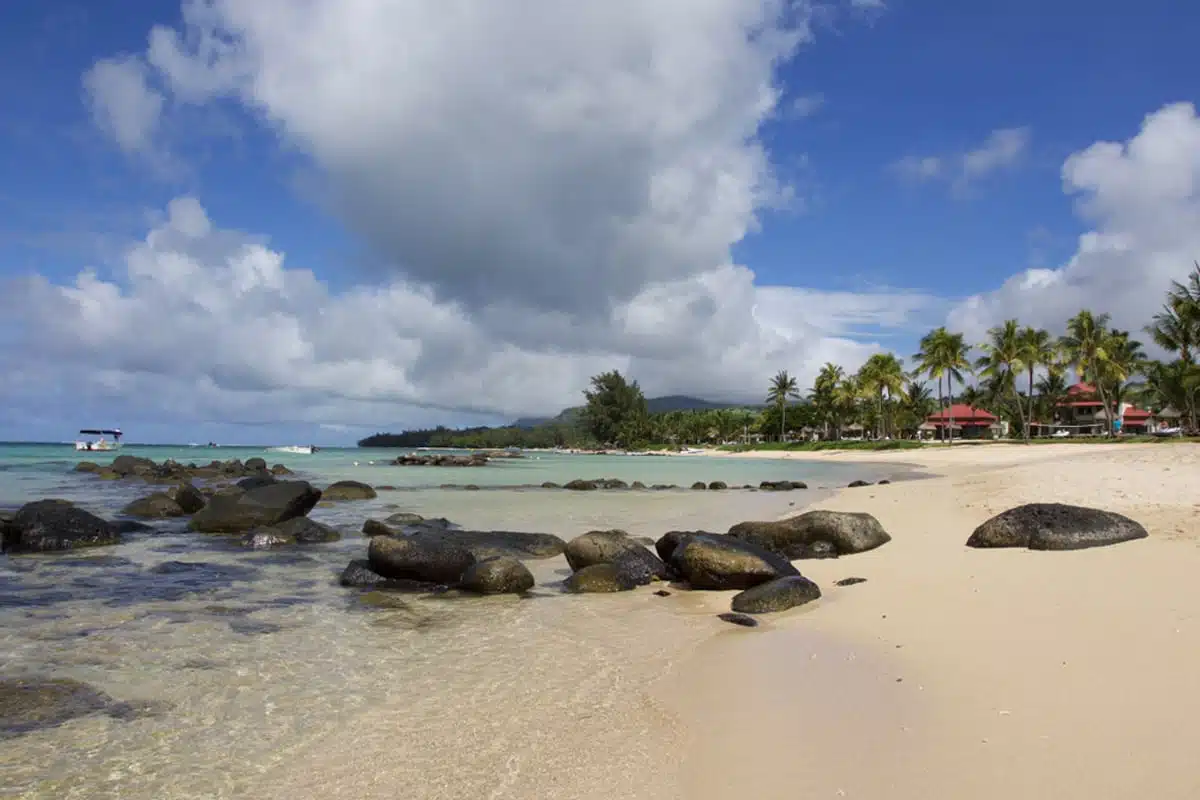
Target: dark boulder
{"x":777,"y":595}
{"x":88,"y":466}
{"x":306,"y":531}
{"x":857,"y":484}
{"x":708,"y":561}
{"x":373,"y":527}
{"x":359,"y":575}
{"x":497,"y":575}
{"x":637,"y":485}
{"x":404,"y":518}
{"x":280,"y":469}
{"x":580,"y":485}
{"x":189,"y":498}
{"x":255,"y":482}
{"x":717,"y":486}
{"x":851,"y":581}
{"x":598,"y":579}
{"x":256,"y":508}
{"x":159,"y":505}
{"x":1055,"y":526}
{"x":409,"y":558}
{"x":699,"y":486}
{"x":815,"y":534}
{"x":50,"y":525}
{"x":667,"y":543}
{"x":738,"y":619}
{"x":607,"y":547}
{"x":132,"y":465}
{"x":782,"y":486}
{"x":255,"y":464}
{"x":348,"y":490}
{"x":550,"y":485}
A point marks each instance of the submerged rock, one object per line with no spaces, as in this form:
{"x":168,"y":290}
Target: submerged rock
{"x":857,"y":484}
{"x":348,"y":490}
{"x":599,"y":579}
{"x":815,"y":534}
{"x":497,"y":575}
{"x":489,"y":544}
{"x":1055,"y":526}
{"x":777,"y":595}
{"x":159,"y":505}
{"x":264,"y":506}
{"x":782,"y":486}
{"x":50,"y":525}
{"x":35,"y":704}
{"x":850,"y":581}
{"x":711,"y":561}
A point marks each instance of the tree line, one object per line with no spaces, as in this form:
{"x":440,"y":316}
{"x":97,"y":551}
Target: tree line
{"x":1018,"y":373}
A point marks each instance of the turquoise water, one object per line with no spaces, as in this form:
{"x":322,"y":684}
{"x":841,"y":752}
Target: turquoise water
{"x":30,"y":471}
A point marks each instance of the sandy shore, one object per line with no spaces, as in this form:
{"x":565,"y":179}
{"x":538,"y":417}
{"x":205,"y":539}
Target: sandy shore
{"x":973,"y":674}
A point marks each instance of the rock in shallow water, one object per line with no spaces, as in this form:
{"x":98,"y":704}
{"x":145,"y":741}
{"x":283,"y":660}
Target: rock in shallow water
{"x":159,"y":505}
{"x":261,"y":507}
{"x":1055,"y":526}
{"x":607,"y":547}
{"x":815,"y":534}
{"x":712,"y":561}
{"x":348,"y":490}
{"x":777,"y":595}
{"x":599,"y":579}
{"x":407,"y":557}
{"x":498,"y":575}
{"x":50,"y":525}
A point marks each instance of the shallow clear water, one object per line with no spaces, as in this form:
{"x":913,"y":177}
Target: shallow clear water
{"x":254,"y":674}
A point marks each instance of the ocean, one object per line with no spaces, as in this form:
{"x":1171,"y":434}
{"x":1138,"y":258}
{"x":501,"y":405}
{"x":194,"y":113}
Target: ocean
{"x":236,"y":673}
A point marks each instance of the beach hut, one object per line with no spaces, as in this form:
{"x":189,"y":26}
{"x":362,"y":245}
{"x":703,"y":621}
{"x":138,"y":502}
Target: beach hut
{"x":969,"y":422}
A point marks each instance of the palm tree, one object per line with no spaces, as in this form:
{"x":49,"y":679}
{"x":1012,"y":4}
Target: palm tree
{"x":1038,"y":349}
{"x":1124,"y":358}
{"x":1051,"y":390}
{"x":882,"y":376}
{"x":824,"y":394}
{"x":845,"y":398}
{"x":943,"y":355}
{"x":783,"y":388}
{"x":1002,"y":359}
{"x":1176,"y":328}
{"x":1083,"y":345}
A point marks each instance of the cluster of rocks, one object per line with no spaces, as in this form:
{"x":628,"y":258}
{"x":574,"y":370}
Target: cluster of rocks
{"x":407,"y":552}
{"x":441,"y":460}
{"x":594,"y":484}
{"x":265,"y":510}
{"x":170,"y":471}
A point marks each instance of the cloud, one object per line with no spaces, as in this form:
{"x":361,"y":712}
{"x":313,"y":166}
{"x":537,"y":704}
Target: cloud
{"x":1002,"y":149}
{"x":1142,"y":200}
{"x":208,"y":323}
{"x":807,"y":105}
{"x":122,"y":102}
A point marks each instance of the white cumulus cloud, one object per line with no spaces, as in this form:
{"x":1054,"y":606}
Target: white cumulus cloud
{"x":1141,"y":199}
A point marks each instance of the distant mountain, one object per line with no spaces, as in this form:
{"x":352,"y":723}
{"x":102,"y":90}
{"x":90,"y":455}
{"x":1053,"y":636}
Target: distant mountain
{"x":656,"y":405}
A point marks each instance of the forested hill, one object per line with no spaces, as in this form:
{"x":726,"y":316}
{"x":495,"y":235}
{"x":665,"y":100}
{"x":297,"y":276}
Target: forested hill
{"x":654,"y":405}
{"x":528,"y":431}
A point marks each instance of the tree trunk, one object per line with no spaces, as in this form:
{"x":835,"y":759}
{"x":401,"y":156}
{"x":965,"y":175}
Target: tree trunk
{"x":782,"y":421}
{"x":1028,"y":433}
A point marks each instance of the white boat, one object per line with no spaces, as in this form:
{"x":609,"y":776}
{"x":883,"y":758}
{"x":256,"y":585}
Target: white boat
{"x":101,"y":443}
{"x":295,"y":449}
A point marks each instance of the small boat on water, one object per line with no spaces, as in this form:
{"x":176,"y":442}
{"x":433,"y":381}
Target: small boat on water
{"x":100,"y":443}
{"x":295,"y":449}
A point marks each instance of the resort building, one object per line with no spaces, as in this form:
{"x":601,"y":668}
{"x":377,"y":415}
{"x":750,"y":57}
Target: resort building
{"x":1082,"y":414}
{"x":968,"y":423}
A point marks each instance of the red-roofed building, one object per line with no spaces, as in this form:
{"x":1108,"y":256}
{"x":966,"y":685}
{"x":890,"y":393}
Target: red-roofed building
{"x":969,"y":422}
{"x":1082,"y":413}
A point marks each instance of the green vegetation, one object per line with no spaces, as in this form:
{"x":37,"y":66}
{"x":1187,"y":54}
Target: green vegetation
{"x":882,"y":400}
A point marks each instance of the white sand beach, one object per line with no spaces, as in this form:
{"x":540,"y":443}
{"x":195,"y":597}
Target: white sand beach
{"x":974,"y":673}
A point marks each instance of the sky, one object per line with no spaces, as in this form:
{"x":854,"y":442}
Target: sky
{"x":277,"y":222}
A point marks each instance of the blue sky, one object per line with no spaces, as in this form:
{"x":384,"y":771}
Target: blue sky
{"x":891,"y":227}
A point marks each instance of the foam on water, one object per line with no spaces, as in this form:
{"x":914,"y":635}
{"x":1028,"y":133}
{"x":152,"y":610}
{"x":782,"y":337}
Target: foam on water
{"x":257,"y":675}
